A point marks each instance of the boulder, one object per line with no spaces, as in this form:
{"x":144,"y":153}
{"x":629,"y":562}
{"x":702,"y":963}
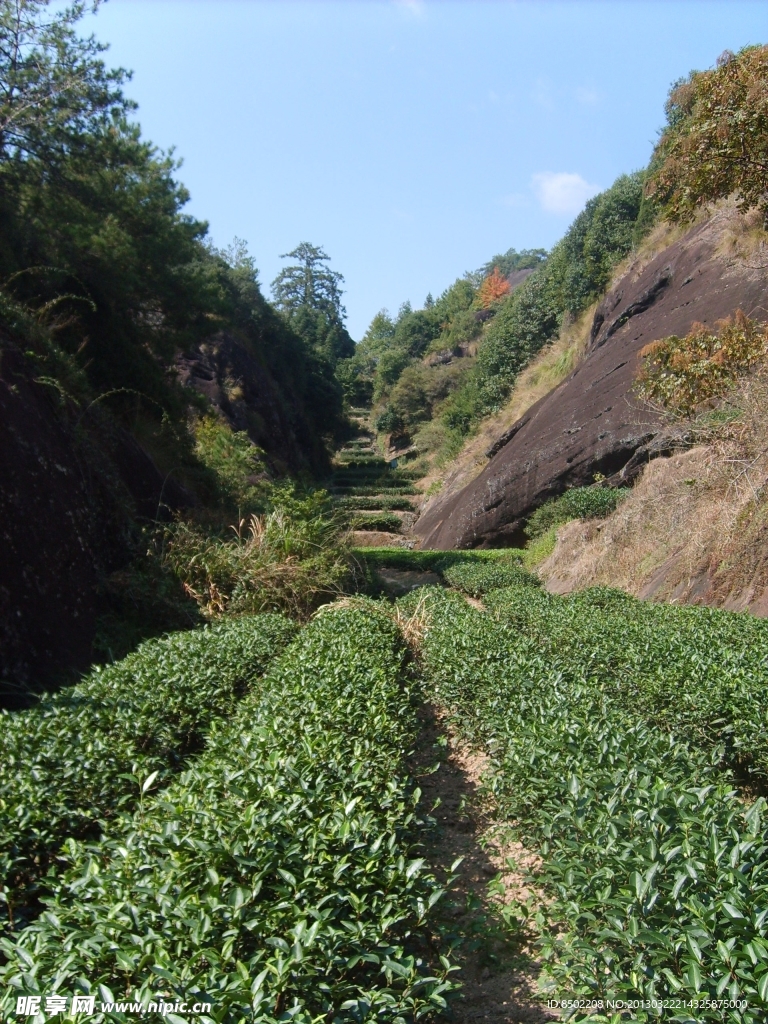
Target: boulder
{"x":592,"y":423}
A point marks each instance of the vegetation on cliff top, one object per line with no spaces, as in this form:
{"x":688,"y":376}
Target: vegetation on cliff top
{"x":715,"y":142}
{"x":432,"y":374}
{"x":105,"y":279}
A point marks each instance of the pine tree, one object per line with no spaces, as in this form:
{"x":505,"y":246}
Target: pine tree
{"x":309,"y":293}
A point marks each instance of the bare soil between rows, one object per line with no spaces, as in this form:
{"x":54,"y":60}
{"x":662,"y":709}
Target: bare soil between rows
{"x":499,"y":971}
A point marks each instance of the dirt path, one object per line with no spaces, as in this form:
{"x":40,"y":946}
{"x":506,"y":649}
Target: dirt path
{"x":499,"y":974}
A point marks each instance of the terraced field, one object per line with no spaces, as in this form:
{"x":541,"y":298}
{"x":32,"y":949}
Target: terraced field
{"x":277,"y":831}
{"x":379,"y":498}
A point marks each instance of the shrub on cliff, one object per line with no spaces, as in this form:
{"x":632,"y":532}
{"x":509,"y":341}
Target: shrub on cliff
{"x":716,"y":140}
{"x":681,"y":373}
{"x":579,"y":503}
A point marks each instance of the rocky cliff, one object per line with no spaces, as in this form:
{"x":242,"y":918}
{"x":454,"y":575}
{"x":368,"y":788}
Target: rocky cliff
{"x":592,"y":423}
{"x":71,"y":484}
{"x":74,"y":486}
{"x":244,"y":392}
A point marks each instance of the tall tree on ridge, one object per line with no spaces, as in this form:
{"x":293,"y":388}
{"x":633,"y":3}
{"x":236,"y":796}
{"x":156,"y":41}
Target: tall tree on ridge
{"x":308,"y":293}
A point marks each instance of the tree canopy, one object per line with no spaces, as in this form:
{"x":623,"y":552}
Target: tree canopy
{"x":508,"y":262}
{"x":309,"y":293}
{"x":55,"y":91}
{"x":715,"y":143}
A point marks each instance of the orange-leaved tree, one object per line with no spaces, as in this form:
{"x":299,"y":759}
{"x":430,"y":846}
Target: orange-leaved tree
{"x":716,"y":140}
{"x":494,"y":287}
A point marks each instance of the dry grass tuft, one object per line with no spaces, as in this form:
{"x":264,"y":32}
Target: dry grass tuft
{"x":412,"y":622}
{"x":694,"y":529}
{"x":744,"y":241}
{"x":274,"y":562}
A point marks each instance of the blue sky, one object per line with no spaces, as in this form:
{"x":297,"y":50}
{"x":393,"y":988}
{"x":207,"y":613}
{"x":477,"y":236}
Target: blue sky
{"x":412,"y":140}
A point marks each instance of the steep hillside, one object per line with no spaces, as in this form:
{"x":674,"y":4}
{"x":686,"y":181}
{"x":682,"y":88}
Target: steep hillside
{"x":142,"y":371}
{"x":593,"y":424}
{"x":694,"y":528}
{"x":66,"y":502}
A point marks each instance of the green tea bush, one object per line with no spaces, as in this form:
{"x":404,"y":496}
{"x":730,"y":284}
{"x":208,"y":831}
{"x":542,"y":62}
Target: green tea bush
{"x":373,"y":489}
{"x":593,"y":502}
{"x":698,"y":671}
{"x":654,"y":870}
{"x":278,"y":878}
{"x":360,"y":474}
{"x":85,"y":753}
{"x":367,"y":503}
{"x":387,"y":522}
{"x":426,"y":560}
{"x":357,"y":458}
{"x":478,"y":578}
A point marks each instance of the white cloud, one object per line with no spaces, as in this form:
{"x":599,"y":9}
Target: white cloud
{"x":416,"y":8}
{"x":587,"y":96}
{"x":562,"y":192}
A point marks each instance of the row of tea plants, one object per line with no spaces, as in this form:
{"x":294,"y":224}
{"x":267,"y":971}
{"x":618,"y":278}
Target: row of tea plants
{"x":279,"y":876}
{"x":653,"y":867}
{"x":87,"y":752}
{"x":700,"y":672}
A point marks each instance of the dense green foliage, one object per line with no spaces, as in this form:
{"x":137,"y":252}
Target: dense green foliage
{"x":234,"y":463}
{"x":308,"y":293}
{"x":278,"y":877}
{"x":90,"y":751}
{"x":576,"y":273}
{"x":607,"y":725}
{"x":715,"y":143}
{"x":480,"y":577}
{"x":578,"y":503}
{"x":387,"y":367}
{"x":508,"y":262}
{"x":695,"y":670}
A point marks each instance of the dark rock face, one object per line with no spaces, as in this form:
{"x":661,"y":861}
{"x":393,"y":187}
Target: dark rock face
{"x":592,"y":423}
{"x":241,"y":388}
{"x":66,"y":503}
{"x":517,"y":277}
